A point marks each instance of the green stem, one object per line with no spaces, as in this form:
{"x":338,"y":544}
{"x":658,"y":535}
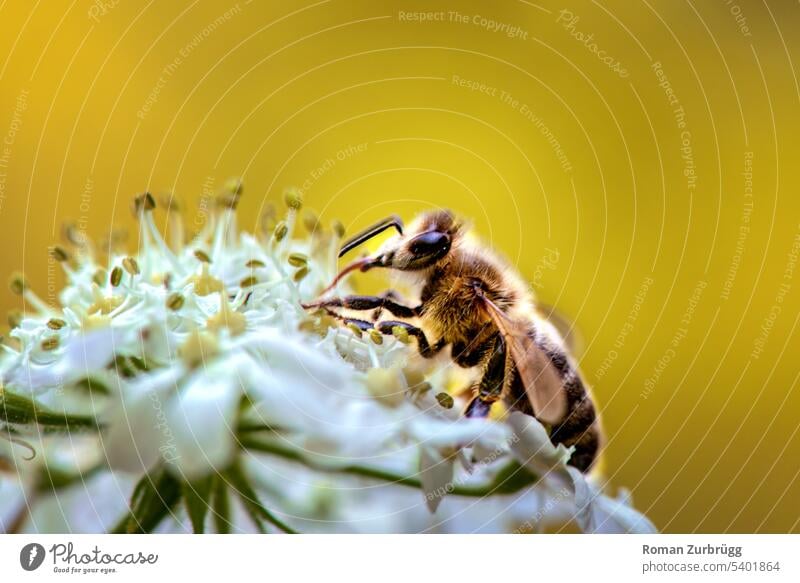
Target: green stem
{"x":152,"y":500}
{"x":20,"y":410}
{"x":510,"y":479}
{"x":251,"y":501}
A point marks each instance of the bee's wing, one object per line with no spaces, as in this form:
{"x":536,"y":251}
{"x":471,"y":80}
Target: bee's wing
{"x":573,"y":339}
{"x":540,"y":378}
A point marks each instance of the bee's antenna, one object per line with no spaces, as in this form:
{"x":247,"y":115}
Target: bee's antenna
{"x":370,"y":232}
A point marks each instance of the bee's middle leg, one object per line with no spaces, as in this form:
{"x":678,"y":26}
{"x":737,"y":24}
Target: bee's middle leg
{"x":425,"y":348}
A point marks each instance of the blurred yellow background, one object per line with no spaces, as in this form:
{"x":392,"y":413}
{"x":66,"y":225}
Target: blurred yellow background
{"x":638,"y":162}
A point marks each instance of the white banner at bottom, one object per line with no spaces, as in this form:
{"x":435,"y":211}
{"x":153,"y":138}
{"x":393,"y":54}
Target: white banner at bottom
{"x":406,"y":558}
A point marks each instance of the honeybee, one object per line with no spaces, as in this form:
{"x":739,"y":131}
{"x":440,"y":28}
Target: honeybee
{"x":473,"y":302}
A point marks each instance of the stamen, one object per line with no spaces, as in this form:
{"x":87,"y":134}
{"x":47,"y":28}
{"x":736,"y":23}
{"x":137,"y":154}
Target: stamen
{"x":311,"y":222}
{"x":20,"y":287}
{"x":60,"y":254}
{"x":281,"y":230}
{"x":56,"y":323}
{"x":50,"y":344}
{"x":202,"y":256}
{"x":300,"y":274}
{"x":131,"y":266}
{"x":175,"y":301}
{"x":267,"y":220}
{"x":248,"y":281}
{"x":293,"y":199}
{"x":14,"y":318}
{"x":105,"y":305}
{"x":17,"y":284}
{"x":231,"y":194}
{"x":338,"y":228}
{"x":99,"y":277}
{"x":143,"y":205}
{"x":297,"y":259}
{"x":116,"y":276}
{"x":176,"y":231}
{"x":445,"y":400}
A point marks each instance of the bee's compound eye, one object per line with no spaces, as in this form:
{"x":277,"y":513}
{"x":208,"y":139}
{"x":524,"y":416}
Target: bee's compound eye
{"x":432,"y":244}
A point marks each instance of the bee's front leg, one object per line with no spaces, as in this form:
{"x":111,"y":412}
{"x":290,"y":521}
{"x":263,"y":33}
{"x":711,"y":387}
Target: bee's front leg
{"x":363,"y":303}
{"x":391,"y":295}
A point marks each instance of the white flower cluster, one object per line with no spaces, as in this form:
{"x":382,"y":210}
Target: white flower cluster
{"x":185,"y":388}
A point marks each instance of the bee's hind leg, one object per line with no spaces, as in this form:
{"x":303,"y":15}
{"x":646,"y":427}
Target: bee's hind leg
{"x":491,"y":384}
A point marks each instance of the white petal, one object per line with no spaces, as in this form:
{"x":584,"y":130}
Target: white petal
{"x":138,"y":427}
{"x":532,"y":446}
{"x":203,"y":424}
{"x":436,"y":475}
{"x":91,"y":351}
{"x":442,"y":433}
{"x":597,"y":513}
{"x":282,"y":352}
{"x":83,"y":355}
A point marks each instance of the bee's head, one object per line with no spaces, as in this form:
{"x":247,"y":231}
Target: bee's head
{"x":425,"y":242}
